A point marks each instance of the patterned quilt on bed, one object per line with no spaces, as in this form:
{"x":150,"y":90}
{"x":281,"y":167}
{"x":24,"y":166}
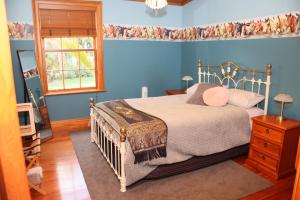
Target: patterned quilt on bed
{"x":147,"y":135}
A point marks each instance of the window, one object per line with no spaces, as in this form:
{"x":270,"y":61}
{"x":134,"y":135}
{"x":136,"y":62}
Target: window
{"x":70,"y":63}
{"x":69,"y":46}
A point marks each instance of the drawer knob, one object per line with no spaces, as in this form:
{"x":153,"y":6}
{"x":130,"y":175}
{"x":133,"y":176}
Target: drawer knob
{"x":265,"y":144}
{"x":267,"y":131}
{"x":263,"y":157}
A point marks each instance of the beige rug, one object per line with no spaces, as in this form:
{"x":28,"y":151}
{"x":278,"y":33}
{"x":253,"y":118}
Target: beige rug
{"x":224,"y":181}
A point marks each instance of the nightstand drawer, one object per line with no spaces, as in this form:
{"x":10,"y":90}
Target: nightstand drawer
{"x":266,"y":146}
{"x":264,"y":159}
{"x":267,"y":133}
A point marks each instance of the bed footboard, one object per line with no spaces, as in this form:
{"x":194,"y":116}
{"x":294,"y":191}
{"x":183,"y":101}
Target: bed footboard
{"x":111,"y":143}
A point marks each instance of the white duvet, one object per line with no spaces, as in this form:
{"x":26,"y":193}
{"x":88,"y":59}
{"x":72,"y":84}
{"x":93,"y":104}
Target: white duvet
{"x":193,"y":130}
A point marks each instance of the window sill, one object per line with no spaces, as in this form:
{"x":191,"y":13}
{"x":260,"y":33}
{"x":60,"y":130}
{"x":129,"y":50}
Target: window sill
{"x":75,"y":91}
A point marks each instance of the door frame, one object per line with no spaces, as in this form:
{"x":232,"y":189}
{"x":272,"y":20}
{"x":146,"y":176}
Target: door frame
{"x":13,"y":177}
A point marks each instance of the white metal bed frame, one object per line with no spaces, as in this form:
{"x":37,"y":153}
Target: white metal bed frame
{"x":112,"y":142}
{"x":228,"y":76}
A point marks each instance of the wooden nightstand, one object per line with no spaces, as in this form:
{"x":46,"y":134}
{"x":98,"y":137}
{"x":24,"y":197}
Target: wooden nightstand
{"x":273,"y":146}
{"x":174,"y":92}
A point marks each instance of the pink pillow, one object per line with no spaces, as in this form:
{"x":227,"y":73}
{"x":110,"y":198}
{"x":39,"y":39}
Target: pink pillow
{"x":217,"y":96}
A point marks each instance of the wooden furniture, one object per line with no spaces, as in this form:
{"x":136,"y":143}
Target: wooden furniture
{"x":174,"y":92}
{"x":273,"y":145}
{"x":27,"y":130}
{"x":296,"y":191}
{"x":112,"y":142}
{"x":31,"y":166}
{"x":31,"y":147}
{"x":13,"y":180}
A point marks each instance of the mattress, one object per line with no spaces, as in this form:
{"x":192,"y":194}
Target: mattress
{"x":193,"y":130}
{"x":197,"y":162}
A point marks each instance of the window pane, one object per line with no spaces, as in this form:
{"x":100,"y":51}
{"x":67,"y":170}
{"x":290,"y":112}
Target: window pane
{"x":53,"y":60}
{"x":86,"y":43}
{"x":55,"y":80}
{"x":72,"y":79}
{"x":88,"y":78}
{"x":87,"y":60}
{"x":52,"y":43}
{"x":70,"y":63}
{"x":71,"y":60}
{"x":70,"y":43}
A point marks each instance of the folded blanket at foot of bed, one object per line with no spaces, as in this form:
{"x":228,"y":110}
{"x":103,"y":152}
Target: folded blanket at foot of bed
{"x":147,"y":135}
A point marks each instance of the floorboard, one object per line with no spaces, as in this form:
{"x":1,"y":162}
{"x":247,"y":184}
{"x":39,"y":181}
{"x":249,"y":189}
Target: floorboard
{"x":63,"y":179}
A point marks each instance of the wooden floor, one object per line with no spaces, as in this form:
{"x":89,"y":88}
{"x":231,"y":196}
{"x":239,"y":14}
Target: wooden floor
{"x":63,"y":178}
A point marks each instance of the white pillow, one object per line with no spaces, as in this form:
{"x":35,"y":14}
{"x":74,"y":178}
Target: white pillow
{"x":191,"y":90}
{"x":244,"y":98}
{"x":216,"y":96}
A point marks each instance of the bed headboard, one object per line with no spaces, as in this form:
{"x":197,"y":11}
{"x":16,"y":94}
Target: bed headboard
{"x":233,"y":76}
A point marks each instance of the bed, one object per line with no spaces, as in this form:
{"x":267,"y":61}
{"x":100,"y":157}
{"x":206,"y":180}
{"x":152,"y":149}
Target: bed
{"x":198,"y":136}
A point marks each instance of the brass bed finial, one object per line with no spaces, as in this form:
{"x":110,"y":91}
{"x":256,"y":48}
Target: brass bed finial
{"x":92,"y":102}
{"x":199,"y":63}
{"x":123,"y":134}
{"x":269,"y":71}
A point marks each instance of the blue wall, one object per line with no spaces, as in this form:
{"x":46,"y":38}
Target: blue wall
{"x":129,"y":65}
{"x":282,"y":53}
{"x":133,"y":13}
{"x":217,"y":11}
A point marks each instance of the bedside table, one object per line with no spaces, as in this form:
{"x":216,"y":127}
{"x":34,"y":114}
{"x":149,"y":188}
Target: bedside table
{"x":175,"y":92}
{"x":273,"y":146}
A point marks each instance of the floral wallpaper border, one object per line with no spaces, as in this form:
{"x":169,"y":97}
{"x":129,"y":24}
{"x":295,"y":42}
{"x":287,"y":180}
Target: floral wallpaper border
{"x":286,"y":25}
{"x":20,"y":31}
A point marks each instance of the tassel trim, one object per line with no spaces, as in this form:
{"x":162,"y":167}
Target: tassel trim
{"x":159,"y":152}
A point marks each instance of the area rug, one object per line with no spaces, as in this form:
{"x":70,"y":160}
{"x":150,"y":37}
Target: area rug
{"x":224,"y":181}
